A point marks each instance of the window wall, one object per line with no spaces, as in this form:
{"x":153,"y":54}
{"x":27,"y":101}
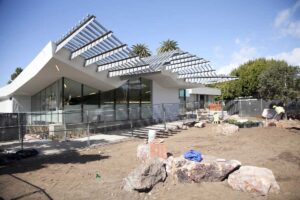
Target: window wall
{"x":134,"y":93}
{"x":121,"y":102}
{"x":130,"y":101}
{"x":72,"y":101}
{"x":46,"y":105}
{"x":146,"y":95}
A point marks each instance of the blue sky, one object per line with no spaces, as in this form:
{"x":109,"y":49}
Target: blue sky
{"x":227,"y":33}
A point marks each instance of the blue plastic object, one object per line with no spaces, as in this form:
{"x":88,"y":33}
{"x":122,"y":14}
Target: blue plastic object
{"x":193,"y":155}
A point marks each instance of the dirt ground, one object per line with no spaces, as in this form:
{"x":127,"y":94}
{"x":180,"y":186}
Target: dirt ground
{"x":72,"y":175}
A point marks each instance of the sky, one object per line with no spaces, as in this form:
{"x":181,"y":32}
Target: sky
{"x":227,"y":33}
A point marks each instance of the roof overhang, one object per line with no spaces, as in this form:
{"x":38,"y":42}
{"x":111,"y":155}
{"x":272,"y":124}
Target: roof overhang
{"x":49,"y":66}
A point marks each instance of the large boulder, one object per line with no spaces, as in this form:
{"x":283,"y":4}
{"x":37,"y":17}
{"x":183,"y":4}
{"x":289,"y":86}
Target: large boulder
{"x":210,"y":169}
{"x":145,"y":176}
{"x":227,"y":129}
{"x":255,"y":180}
{"x":288,"y":124}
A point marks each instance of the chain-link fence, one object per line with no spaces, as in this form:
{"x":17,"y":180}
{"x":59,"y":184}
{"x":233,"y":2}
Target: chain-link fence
{"x":72,"y":124}
{"x":255,"y":107}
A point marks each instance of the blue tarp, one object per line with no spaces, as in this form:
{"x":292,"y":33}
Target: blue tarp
{"x":193,"y":155}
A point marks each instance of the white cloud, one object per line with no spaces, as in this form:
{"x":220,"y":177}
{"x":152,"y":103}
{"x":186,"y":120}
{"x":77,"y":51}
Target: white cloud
{"x":242,"y":55}
{"x":292,"y":57}
{"x":282,"y":18}
{"x":248,"y":53}
{"x":285,"y":23}
{"x":218,"y":51}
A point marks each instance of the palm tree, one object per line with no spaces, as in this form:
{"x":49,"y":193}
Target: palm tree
{"x":141,"y":50}
{"x":168,"y":45}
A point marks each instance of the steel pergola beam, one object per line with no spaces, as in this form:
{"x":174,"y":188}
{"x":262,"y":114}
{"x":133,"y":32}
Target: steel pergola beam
{"x":192,"y":67}
{"x":105,"y":54}
{"x":185,"y":64}
{"x":91,"y":44}
{"x":117,"y":63}
{"x":185,"y":60}
{"x":193,"y":75}
{"x":74,"y":32}
{"x":127,"y":70}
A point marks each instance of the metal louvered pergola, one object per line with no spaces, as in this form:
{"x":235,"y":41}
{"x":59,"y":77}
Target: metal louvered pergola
{"x":97,"y":45}
{"x":186,"y":66}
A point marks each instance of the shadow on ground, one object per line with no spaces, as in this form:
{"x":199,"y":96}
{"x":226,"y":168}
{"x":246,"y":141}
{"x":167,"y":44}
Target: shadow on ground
{"x":36,"y":163}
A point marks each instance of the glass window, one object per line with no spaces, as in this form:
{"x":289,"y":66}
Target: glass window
{"x":146,"y":92}
{"x":107,"y":105}
{"x":48,"y":99}
{"x":182,"y":93}
{"x":72,"y":101}
{"x":43,"y":100}
{"x":90,"y":101}
{"x":90,"y":97}
{"x":134,"y":87}
{"x":121,"y":102}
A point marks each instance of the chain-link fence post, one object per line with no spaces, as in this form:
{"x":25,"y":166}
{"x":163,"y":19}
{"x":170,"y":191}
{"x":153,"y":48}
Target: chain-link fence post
{"x":88,"y":128}
{"x":104,"y":120}
{"x":64,"y":125}
{"x":164,"y":116}
{"x":20,"y":131}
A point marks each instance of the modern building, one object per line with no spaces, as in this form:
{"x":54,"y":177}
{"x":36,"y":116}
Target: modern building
{"x":202,"y":95}
{"x":90,"y":69}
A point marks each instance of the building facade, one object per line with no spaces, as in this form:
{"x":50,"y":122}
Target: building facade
{"x":90,"y":70}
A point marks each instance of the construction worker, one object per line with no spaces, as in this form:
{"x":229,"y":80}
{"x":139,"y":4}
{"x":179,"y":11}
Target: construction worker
{"x":279,"y":112}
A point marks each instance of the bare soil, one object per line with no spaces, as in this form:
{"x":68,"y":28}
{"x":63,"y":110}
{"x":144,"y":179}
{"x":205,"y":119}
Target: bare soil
{"x":72,"y":175}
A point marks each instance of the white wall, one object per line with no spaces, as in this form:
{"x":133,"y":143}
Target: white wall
{"x":6,"y":106}
{"x":21,"y":104}
{"x":164,"y":95}
{"x":168,"y":96}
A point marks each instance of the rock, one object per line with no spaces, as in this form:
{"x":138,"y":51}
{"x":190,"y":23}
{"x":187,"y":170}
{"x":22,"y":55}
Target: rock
{"x":145,"y":176}
{"x":288,"y":124}
{"x":234,"y":117}
{"x":227,"y":129}
{"x":168,"y":163}
{"x":200,"y":124}
{"x":255,"y":180}
{"x":242,"y":120}
{"x":269,"y":123}
{"x":210,"y":169}
{"x":185,"y":127}
{"x":143,"y":152}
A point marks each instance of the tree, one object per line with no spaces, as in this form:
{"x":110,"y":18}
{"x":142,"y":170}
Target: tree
{"x":280,"y":81}
{"x":141,"y":50}
{"x":262,"y":78}
{"x":15,"y":74}
{"x":168,"y":45}
{"x":247,"y":83}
